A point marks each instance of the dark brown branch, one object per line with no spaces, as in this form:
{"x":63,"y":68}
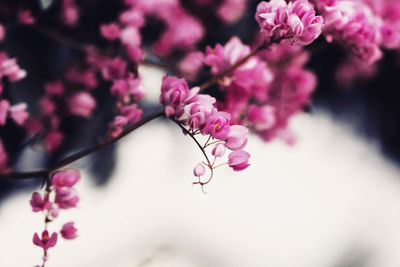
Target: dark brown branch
{"x":81,"y":154}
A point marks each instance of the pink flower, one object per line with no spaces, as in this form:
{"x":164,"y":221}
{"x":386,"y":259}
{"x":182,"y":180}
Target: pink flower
{"x":119,"y":88}
{"x":33,"y":126}
{"x":237,"y":137}
{"x":81,"y":104}
{"x":132,"y":17}
{"x":199,"y":170}
{"x":261,"y":118}
{"x":110,"y":31}
{"x":238,"y":160}
{"x":114,"y":69}
{"x":10,"y":68}
{"x":218,"y":125}
{"x":218,"y":150}
{"x":68,"y":178}
{"x":53,"y":140}
{"x":231,"y":10}
{"x":38,"y":203}
{"x":46,"y":241}
{"x":174,"y":93}
{"x":4,"y":106}
{"x":3,"y":157}
{"x":47,"y":106}
{"x":66,"y":197}
{"x":191,"y":64}
{"x":69,"y":12}
{"x":130,"y":36}
{"x":2,"y":32}
{"x":198,"y":112}
{"x":132,"y":113}
{"x":25,"y":17}
{"x":54,"y":88}
{"x":117,"y":126}
{"x":18,"y":113}
{"x":68,"y":231}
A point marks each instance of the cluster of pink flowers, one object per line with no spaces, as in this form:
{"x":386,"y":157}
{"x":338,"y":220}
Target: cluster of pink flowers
{"x":263,"y":96}
{"x":199,"y":114}
{"x":295,"y":20}
{"x":362,"y":26}
{"x":60,"y":195}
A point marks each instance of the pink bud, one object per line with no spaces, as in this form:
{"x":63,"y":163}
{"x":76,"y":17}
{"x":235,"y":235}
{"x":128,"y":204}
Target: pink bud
{"x":238,"y":160}
{"x":199,"y":170}
{"x":47,"y":106}
{"x":218,"y":150}
{"x":81,"y":104}
{"x":68,"y":178}
{"x":25,"y":17}
{"x":54,"y":88}
{"x":66,"y":197}
{"x":4,"y":106}
{"x":68,"y":231}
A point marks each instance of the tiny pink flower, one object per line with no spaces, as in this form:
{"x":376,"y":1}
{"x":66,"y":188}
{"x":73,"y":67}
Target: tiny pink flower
{"x":40,"y":203}
{"x":18,"y":113}
{"x":199,"y":170}
{"x":237,"y":137}
{"x":218,"y":125}
{"x":238,"y":160}
{"x":110,"y":31}
{"x":81,"y":104}
{"x":68,"y":178}
{"x":68,"y":231}
{"x":218,"y":150}
{"x":66,"y":197}
{"x":46,"y":241}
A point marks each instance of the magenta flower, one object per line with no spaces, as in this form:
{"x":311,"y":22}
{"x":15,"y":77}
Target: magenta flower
{"x":38,"y":203}
{"x":198,"y":112}
{"x":3,"y":157}
{"x":132,"y":113}
{"x":261,"y":118}
{"x":81,"y":104}
{"x":238,"y":160}
{"x":66,"y":197}
{"x":218,"y":150}
{"x":218,"y":125}
{"x":47,"y":106}
{"x":25,"y":17}
{"x":54,"y":88}
{"x":46,"y":241}
{"x":237,"y":137}
{"x":110,"y":31}
{"x":191,"y":64}
{"x":18,"y":113}
{"x":68,"y":178}
{"x":199,"y":170}
{"x":68,"y":231}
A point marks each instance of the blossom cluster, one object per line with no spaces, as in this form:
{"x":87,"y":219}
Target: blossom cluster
{"x":362,"y":26}
{"x":199,"y":114}
{"x":60,"y":195}
{"x":295,"y":20}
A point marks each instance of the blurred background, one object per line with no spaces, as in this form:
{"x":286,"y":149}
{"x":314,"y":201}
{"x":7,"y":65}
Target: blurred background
{"x":332,"y":200}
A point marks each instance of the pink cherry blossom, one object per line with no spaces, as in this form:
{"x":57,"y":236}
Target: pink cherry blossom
{"x":68,"y":231}
{"x":18,"y":113}
{"x":67,"y":178}
{"x":45,"y":241}
{"x":237,"y":137}
{"x":40,"y":203}
{"x":218,"y":125}
{"x":81,"y":104}
{"x":238,"y":160}
{"x":66,"y":197}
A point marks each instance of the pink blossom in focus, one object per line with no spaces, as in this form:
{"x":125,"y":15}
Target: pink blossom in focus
{"x":174,"y":93}
{"x":81,"y":104}
{"x":68,"y":178}
{"x":46,"y":241}
{"x":218,"y":125}
{"x":68,"y":231}
{"x":238,"y":160}
{"x":237,"y":137}
{"x":218,"y":150}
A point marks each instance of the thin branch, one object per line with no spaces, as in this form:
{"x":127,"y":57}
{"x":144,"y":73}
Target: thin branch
{"x":81,"y":154}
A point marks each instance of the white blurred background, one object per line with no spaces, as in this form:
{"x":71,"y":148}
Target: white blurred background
{"x":330,"y":201}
